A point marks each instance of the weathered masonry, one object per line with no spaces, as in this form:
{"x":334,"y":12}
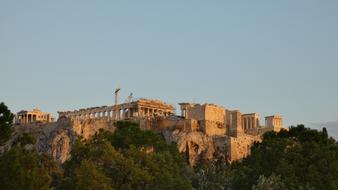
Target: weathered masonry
{"x":202,"y":130}
{"x":250,"y":121}
{"x":137,"y":109}
{"x":274,"y":121}
{"x":25,"y":117}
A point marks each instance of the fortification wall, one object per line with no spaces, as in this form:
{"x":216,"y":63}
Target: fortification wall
{"x":239,"y":147}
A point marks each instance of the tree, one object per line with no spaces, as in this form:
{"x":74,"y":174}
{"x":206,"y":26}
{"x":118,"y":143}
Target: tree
{"x":88,"y":177}
{"x":6,"y":121}
{"x":23,"y":168}
{"x":303,"y":158}
{"x":127,"y":159}
{"x":269,"y":183}
{"x":215,"y":175}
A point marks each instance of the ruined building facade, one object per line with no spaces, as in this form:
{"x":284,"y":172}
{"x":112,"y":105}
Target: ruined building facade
{"x":25,"y":117}
{"x":203,"y":132}
{"x":137,"y":109}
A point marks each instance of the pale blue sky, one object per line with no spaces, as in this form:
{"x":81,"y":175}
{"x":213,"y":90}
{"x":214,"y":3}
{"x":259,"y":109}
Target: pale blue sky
{"x":257,"y":56}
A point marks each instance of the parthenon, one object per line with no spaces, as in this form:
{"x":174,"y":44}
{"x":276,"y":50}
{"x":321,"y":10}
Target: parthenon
{"x":136,"y":109}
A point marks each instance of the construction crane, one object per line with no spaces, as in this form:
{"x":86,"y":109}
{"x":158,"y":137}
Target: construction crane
{"x":116,"y":109}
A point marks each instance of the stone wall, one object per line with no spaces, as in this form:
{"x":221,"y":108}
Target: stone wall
{"x":212,"y":128}
{"x":239,"y":147}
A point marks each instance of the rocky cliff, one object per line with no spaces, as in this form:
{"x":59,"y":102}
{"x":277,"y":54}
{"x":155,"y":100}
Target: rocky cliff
{"x":56,"y":139}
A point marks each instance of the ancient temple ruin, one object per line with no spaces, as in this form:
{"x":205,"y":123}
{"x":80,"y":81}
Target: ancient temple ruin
{"x":36,"y":115}
{"x":137,"y":109}
{"x":202,"y":130}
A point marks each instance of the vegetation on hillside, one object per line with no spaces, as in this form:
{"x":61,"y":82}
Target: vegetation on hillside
{"x":6,"y":121}
{"x":300,"y":158}
{"x":127,"y":159}
{"x":131,"y":158}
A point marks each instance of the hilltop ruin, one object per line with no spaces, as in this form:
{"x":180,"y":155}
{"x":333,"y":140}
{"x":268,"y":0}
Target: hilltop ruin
{"x":201,"y":131}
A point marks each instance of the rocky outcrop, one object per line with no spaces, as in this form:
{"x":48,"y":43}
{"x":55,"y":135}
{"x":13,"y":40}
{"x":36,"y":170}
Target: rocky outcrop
{"x":56,"y":139}
{"x":195,"y":144}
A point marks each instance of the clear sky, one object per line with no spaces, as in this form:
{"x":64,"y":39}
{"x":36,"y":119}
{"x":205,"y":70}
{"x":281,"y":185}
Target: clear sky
{"x":257,"y":56}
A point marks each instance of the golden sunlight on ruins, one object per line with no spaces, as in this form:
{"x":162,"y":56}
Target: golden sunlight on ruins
{"x":200,"y":131}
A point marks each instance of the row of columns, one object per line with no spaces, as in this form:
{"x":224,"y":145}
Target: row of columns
{"x":274,"y":122}
{"x":250,"y":122}
{"x":107,"y":114}
{"x":150,"y":112}
{"x":26,"y":118}
{"x":31,"y":118}
{"x":121,"y":114}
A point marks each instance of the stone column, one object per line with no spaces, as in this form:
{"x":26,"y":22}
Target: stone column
{"x":122,"y":114}
{"x":129,"y":113}
{"x":145,"y":112}
{"x":139,"y":111}
{"x":249,"y":123}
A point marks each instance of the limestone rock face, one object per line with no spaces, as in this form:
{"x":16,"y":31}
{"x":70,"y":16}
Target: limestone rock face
{"x":88,"y":128}
{"x":195,"y":144}
{"x":60,"y":146}
{"x":56,"y":139}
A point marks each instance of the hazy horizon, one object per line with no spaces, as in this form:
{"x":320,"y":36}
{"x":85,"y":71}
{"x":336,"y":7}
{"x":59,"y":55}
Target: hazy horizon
{"x":264,"y":57}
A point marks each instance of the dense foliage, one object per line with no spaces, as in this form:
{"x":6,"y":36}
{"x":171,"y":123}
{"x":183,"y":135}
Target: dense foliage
{"x":300,"y":158}
{"x":131,"y":158}
{"x":303,"y":158}
{"x":127,"y":159}
{"x":22,"y":168}
{"x":6,"y":120}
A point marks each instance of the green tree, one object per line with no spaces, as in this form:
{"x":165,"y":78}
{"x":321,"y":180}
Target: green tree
{"x":215,"y":175}
{"x":25,"y":139}
{"x":22,"y":169}
{"x":130,"y":158}
{"x":6,"y":121}
{"x":88,"y":177}
{"x":302,"y":157}
{"x":269,"y":183}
